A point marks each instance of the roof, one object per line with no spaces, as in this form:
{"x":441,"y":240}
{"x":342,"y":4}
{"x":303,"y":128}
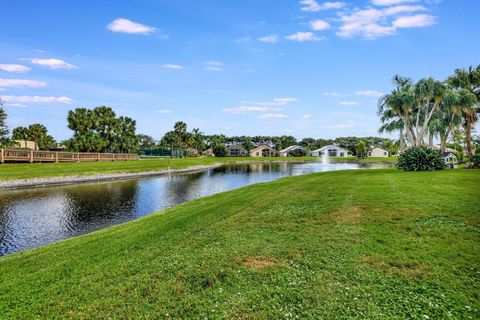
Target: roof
{"x":261,"y":147}
{"x":231,"y":146}
{"x":447,"y":154}
{"x":329,"y":146}
{"x":379,"y":148}
{"x":291,"y":148}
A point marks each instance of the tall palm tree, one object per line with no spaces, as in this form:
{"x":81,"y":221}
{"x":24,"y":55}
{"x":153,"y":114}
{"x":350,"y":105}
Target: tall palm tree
{"x":395,"y":124}
{"x":468,"y":80}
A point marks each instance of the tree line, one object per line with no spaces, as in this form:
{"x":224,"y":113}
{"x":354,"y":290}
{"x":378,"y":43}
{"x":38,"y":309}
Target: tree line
{"x":181,"y":138}
{"x":431,"y":109}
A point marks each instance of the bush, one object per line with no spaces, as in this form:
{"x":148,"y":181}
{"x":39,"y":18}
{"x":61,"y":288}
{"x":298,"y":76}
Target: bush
{"x":219,"y":150}
{"x":420,"y":159}
{"x":476,"y":160}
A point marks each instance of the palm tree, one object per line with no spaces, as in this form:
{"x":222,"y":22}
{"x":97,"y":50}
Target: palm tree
{"x":468,"y":80}
{"x":392,"y":126}
{"x":398,"y":105}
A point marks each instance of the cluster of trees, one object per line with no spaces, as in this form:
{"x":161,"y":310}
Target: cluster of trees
{"x":100,"y":130}
{"x":37,"y":133}
{"x":181,"y":138}
{"x":428,"y":109}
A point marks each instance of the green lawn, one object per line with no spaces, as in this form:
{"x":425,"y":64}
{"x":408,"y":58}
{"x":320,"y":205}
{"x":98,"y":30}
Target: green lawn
{"x":32,"y":170}
{"x":356,"y":159}
{"x":358,"y":244}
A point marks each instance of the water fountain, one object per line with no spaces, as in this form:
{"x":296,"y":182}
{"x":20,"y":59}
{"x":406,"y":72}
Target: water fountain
{"x":325,"y":158}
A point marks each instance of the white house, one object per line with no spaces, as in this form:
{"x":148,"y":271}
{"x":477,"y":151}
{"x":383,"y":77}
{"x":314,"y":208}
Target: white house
{"x":296,"y":151}
{"x":330,"y":151}
{"x":378,"y":153}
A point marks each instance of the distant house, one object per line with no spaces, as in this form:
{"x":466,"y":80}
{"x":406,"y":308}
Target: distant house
{"x":263,"y":151}
{"x":450,"y":160}
{"x":208,"y":152}
{"x":234,"y":150}
{"x":378,"y":153}
{"x":25,"y":144}
{"x":292,"y":151}
{"x":191,"y":152}
{"x":330,"y":151}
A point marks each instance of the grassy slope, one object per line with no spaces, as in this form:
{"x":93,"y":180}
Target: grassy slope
{"x":347,"y":244}
{"x":356,"y":159}
{"x":28,"y":170}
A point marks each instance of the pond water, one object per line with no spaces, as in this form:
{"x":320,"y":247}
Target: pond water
{"x":33,"y":217}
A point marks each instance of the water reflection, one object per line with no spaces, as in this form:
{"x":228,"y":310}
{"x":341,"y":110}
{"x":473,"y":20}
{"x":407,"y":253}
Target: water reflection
{"x":34,"y":217}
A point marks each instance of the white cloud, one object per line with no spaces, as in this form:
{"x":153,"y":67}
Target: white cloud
{"x":273,"y":116}
{"x":172,"y":66}
{"x":53,"y":63}
{"x":215,"y":66}
{"x":333,"y":94}
{"x":274,"y":102}
{"x":390,"y":2}
{"x":269,"y":39}
{"x":21,"y":83}
{"x":214,"y":69}
{"x":264,"y":106}
{"x":372,"y":23}
{"x":242,"y":39}
{"x":128,"y":26}
{"x":314,"y":6}
{"x":215,"y":63}
{"x":246,"y":109}
{"x":369,"y":93}
{"x":164,"y":111}
{"x":25,"y":100}
{"x":18,"y":68}
{"x":319,"y":25}
{"x":415,"y":21}
{"x":303,"y":36}
{"x":348,"y":103}
{"x":307,"y":116}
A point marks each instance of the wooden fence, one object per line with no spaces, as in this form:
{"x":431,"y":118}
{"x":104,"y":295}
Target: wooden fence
{"x":31,"y":156}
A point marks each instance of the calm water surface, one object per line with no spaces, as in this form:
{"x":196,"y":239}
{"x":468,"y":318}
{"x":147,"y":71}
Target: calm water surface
{"x":33,"y":217}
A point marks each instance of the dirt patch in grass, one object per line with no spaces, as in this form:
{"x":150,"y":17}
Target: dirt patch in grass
{"x":348,"y":215}
{"x":260,"y":262}
{"x":397,"y":267}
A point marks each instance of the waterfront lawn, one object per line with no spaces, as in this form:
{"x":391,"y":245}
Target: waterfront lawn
{"x":365,"y":160}
{"x":358,"y":244}
{"x":34,"y":170}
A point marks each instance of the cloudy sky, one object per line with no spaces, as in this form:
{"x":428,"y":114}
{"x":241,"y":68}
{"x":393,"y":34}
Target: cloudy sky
{"x":253,"y":67}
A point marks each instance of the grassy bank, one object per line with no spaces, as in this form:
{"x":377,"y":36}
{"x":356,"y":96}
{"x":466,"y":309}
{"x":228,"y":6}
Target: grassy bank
{"x":347,"y":244}
{"x":366,"y":160}
{"x":34,"y":170}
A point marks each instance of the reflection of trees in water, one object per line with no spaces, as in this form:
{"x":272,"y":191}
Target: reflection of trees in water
{"x":185,"y":187}
{"x":102,"y":203}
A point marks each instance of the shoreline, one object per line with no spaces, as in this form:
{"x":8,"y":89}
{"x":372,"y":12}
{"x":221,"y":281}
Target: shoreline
{"x":41,"y":182}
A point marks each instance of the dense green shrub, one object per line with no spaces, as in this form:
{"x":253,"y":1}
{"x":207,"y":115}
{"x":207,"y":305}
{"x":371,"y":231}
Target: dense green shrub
{"x":219,"y":150}
{"x":476,"y":160}
{"x":420,"y":159}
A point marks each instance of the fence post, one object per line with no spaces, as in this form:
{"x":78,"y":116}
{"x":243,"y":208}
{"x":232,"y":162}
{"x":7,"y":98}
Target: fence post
{"x":113,"y":156}
{"x":56,"y":157}
{"x":2,"y":156}
{"x":78,"y":156}
{"x":31,"y":156}
{"x":98,"y":156}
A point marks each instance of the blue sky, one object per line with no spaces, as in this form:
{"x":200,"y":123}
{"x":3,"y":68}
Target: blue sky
{"x":269,"y":67}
